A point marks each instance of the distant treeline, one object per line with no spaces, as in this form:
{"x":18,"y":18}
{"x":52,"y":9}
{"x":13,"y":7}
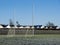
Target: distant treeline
{"x":49,"y":25}
{"x":29,"y":26}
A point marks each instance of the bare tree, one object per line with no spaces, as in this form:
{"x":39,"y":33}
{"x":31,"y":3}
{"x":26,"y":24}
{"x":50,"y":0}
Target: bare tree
{"x":11,"y":23}
{"x":18,"y":25}
{"x":51,"y":25}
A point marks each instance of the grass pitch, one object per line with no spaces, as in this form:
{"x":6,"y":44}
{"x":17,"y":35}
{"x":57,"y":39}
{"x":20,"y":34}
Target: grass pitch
{"x":32,"y":36}
{"x":42,"y":39}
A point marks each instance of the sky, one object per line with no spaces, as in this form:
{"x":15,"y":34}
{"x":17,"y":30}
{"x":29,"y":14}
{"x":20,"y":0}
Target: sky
{"x":21,"y":10}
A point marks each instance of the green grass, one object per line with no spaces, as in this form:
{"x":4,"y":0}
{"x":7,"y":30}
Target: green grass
{"x":51,"y":39}
{"x":34,"y":36}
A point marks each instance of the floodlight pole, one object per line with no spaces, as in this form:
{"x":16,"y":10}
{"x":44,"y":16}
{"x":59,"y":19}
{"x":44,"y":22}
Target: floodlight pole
{"x":14,"y":21}
{"x":33,"y":16}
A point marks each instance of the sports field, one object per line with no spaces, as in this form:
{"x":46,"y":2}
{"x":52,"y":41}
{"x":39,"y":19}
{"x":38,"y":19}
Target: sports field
{"x":42,"y":39}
